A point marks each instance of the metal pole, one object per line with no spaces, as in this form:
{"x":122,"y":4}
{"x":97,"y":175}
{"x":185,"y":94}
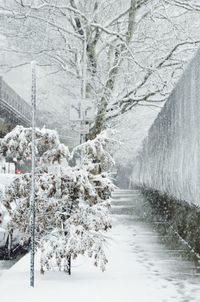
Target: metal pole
{"x":33,"y":99}
{"x":84,"y":80}
{"x":84,"y":66}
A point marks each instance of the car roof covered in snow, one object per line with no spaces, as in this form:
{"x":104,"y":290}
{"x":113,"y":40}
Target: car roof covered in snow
{"x":6,"y":179}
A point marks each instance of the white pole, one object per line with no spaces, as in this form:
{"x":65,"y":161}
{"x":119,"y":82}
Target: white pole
{"x":33,"y":99}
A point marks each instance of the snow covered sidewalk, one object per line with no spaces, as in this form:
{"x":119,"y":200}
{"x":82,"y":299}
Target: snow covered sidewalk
{"x":128,"y":277}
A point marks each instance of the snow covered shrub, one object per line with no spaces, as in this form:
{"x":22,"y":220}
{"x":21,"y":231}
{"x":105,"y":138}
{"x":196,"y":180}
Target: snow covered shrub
{"x":94,"y":155}
{"x":95,"y":159}
{"x":17,"y":144}
{"x":72,"y":211}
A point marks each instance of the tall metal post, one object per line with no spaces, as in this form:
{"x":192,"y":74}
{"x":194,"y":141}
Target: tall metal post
{"x":84,"y":66}
{"x":84,"y":78}
{"x":33,"y":208}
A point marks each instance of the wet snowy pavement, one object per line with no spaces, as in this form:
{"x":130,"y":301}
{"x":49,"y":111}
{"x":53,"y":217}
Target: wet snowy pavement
{"x":5,"y":265}
{"x":146,"y":264}
{"x":168,"y":263}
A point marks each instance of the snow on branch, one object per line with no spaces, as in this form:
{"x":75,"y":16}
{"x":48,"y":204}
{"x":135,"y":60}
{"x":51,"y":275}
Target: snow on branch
{"x":93,"y":152}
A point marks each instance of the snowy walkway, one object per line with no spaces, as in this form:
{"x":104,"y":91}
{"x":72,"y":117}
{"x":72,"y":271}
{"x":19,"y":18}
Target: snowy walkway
{"x":140,"y":268}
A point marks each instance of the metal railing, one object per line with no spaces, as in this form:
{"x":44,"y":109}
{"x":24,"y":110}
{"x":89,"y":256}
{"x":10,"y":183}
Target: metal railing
{"x":14,"y":105}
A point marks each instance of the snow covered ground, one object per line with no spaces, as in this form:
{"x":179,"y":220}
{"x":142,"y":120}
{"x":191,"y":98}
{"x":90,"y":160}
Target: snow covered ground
{"x":139,"y":269}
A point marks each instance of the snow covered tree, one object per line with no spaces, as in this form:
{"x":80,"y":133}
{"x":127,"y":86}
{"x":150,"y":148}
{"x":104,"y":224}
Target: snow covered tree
{"x":72,"y":201}
{"x":136,"y":50}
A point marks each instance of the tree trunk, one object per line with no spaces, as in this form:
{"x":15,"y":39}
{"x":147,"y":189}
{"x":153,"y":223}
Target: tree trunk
{"x":109,"y":86}
{"x":69,"y":263}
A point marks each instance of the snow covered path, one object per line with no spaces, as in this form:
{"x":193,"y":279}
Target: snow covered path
{"x":162,"y":269}
{"x":140,"y":268}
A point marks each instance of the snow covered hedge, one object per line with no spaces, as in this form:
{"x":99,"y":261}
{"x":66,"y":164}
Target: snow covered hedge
{"x":72,"y":213}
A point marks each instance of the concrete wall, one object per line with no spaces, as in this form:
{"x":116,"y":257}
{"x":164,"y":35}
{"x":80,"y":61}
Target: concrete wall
{"x":170,"y":159}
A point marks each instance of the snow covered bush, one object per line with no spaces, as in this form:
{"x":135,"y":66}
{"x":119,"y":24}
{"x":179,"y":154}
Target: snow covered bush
{"x":72,"y":211}
{"x":94,"y":155}
{"x":17,"y":144}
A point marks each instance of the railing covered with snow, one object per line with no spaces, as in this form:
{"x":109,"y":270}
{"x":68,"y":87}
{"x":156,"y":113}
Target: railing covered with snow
{"x":12,"y":106}
{"x":170,"y":159}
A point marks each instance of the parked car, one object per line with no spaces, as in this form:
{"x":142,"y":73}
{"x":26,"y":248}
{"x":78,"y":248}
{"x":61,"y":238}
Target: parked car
{"x":9,"y":239}
{"x":5,"y":236}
